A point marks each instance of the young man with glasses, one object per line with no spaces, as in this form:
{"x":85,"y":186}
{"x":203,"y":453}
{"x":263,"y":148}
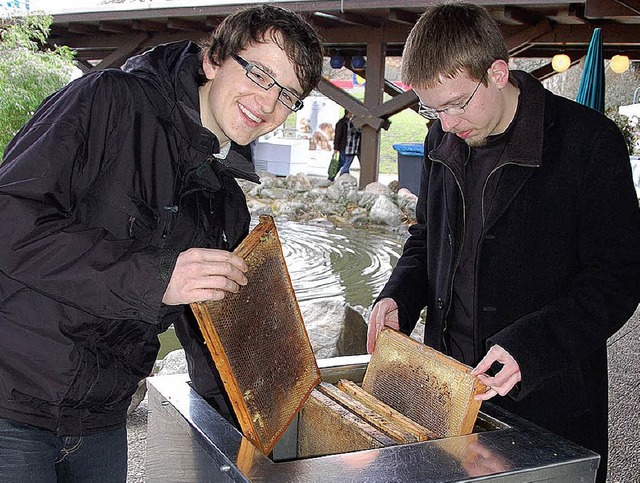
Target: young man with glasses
{"x":118,"y":207}
{"x":526,"y":250}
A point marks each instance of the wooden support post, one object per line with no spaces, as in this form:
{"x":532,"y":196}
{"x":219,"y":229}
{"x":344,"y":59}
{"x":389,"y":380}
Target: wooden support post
{"x":373,"y":91}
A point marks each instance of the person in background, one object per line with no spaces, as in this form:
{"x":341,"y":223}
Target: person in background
{"x":119,"y":206}
{"x":526,"y":250}
{"x":346,"y":142}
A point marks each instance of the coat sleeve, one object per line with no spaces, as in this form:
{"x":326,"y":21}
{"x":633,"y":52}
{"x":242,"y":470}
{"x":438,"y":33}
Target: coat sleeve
{"x":605,"y":289}
{"x":48,"y":167}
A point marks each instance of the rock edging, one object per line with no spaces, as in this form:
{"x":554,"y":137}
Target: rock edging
{"x":304,"y":198}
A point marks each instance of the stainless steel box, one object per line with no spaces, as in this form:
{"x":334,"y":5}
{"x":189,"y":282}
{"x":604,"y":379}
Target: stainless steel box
{"x":188,"y":441}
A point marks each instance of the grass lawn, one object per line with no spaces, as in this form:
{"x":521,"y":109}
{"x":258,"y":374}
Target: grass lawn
{"x":406,"y":127}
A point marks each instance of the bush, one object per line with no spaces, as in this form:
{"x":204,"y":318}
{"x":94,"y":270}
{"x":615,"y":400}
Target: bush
{"x":630,"y":129}
{"x":27,"y":74}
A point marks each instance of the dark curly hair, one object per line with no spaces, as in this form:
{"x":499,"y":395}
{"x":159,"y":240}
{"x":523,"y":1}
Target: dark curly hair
{"x":255,"y":25}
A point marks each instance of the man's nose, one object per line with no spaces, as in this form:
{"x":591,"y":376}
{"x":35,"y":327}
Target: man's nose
{"x":268,"y":99}
{"x":447,"y":121}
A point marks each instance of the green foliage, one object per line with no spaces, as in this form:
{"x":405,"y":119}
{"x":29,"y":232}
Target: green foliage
{"x":406,"y":127}
{"x":629,"y":128}
{"x":27,"y":74}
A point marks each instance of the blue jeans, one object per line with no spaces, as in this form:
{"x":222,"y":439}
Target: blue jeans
{"x":30,"y":454}
{"x":346,"y":164}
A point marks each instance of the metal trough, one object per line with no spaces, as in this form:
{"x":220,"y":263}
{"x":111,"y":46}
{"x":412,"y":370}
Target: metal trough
{"x":188,"y":441}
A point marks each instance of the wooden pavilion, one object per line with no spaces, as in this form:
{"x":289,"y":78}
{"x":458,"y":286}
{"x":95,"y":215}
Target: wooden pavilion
{"x":375,"y":29}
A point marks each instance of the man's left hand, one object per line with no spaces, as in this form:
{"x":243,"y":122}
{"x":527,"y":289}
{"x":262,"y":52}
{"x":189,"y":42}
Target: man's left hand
{"x":504,"y":380}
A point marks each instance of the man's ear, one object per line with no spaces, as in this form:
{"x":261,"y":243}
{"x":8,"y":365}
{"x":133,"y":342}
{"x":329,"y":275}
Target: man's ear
{"x":209,"y":69}
{"x":499,"y":73}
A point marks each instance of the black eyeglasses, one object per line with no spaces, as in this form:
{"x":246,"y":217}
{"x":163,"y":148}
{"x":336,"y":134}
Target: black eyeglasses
{"x":265,"y":80}
{"x":430,"y":113}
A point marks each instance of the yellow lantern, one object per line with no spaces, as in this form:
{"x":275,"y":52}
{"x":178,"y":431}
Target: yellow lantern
{"x":619,"y":63}
{"x":560,"y":62}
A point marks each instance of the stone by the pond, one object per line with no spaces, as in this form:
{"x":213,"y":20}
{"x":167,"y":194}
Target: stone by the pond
{"x":384,"y":211}
{"x":174,"y":362}
{"x":300,"y":198}
{"x":335,"y":328}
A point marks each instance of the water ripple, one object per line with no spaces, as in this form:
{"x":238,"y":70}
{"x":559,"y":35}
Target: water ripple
{"x":329,"y":262}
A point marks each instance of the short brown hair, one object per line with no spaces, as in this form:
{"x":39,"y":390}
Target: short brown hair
{"x":449,"y":39}
{"x":255,"y":25}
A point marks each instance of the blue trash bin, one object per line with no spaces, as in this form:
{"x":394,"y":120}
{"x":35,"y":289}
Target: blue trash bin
{"x":410,"y":159}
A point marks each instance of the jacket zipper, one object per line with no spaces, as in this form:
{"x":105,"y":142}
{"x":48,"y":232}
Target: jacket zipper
{"x":491,"y":174}
{"x":445,"y":325}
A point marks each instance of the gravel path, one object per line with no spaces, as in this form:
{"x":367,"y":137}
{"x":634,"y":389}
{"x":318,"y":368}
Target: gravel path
{"x":624,"y":426}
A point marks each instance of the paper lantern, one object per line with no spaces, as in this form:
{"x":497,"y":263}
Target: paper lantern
{"x":358,"y":62}
{"x":560,"y":62}
{"x":619,"y":63}
{"x":336,"y":61}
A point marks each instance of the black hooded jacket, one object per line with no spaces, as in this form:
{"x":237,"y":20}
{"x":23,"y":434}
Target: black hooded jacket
{"x":99,"y":192}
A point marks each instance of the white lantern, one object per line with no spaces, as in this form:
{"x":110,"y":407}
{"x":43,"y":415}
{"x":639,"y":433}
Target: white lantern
{"x":560,"y":62}
{"x":619,"y":63}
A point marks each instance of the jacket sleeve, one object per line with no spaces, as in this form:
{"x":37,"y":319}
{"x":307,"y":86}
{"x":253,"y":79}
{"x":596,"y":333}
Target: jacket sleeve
{"x":48,"y":167}
{"x":605,"y":290}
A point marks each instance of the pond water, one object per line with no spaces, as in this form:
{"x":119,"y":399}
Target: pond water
{"x":330,"y":262}
{"x":351,"y":264}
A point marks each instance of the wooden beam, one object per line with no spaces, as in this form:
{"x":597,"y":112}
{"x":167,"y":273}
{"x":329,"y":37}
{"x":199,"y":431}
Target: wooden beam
{"x":362,"y":113}
{"x":148,"y":26}
{"x":117,"y":57}
{"x":375,"y":21}
{"x":181,"y":24}
{"x":83,"y":29}
{"x":370,"y":148}
{"x":395,"y":105}
{"x":85,"y":67}
{"x":543,"y":72}
{"x":393,"y":32}
{"x":611,"y":8}
{"x":403,"y":16}
{"x":522,"y":16}
{"x":581,"y":34}
{"x":114,"y":27}
{"x":522,"y":39}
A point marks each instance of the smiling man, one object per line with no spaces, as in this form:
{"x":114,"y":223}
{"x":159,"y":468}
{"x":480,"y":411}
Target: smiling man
{"x":526,"y":250}
{"x":118,"y":206}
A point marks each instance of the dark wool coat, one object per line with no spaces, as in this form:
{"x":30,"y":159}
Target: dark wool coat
{"x":558,"y":262}
{"x":340,"y":135}
{"x":111,"y":179}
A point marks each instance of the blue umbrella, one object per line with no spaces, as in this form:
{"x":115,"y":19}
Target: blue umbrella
{"x":591,"y":90}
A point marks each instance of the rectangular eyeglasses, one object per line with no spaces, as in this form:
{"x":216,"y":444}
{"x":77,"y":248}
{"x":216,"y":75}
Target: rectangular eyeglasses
{"x":265,"y":80}
{"x":430,"y":113}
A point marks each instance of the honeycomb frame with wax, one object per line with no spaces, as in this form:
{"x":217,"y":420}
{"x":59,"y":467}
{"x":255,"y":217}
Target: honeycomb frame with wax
{"x":259,"y":342}
{"x":430,"y":388}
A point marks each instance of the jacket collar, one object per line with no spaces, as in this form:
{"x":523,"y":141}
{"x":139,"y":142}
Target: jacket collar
{"x":173,"y":69}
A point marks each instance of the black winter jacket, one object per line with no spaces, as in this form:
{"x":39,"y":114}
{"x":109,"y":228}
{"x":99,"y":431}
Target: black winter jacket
{"x":99,"y":192}
{"x":558,"y":263}
{"x":340,"y":136}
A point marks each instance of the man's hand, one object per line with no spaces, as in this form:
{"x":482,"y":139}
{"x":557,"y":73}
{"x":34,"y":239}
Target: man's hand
{"x":204,"y":274}
{"x":384,"y":313}
{"x":504,"y":380}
